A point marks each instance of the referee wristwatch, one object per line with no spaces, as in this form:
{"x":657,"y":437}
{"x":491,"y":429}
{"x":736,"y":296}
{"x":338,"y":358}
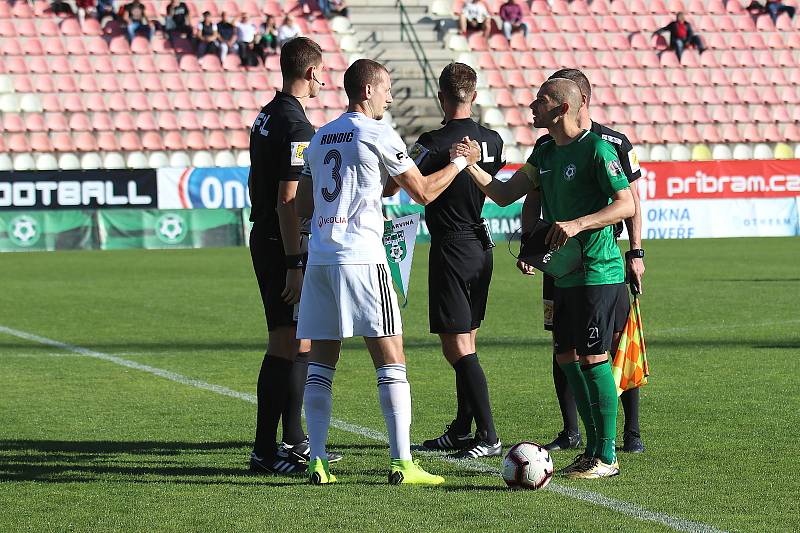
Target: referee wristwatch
{"x":637,"y":253}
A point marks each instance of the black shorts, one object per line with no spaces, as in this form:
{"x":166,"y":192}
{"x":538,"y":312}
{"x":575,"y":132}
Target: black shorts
{"x":458,"y":284}
{"x":269,"y":263}
{"x":584,"y":318}
{"x":549,"y":289}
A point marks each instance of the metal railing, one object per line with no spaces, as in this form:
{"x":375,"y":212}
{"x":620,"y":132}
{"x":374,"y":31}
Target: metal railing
{"x":408,"y":33}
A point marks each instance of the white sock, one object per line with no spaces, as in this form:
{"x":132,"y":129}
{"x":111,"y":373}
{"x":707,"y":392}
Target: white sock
{"x":394,"y":393}
{"x":318,"y":404}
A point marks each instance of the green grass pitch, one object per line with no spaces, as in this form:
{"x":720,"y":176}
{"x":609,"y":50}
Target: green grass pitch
{"x":89,"y":445}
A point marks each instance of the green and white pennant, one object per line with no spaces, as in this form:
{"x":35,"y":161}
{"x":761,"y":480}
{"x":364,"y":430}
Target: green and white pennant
{"x":399,"y":236}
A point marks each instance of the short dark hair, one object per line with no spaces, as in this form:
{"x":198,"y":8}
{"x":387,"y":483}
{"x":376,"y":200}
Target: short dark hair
{"x":297,"y":55}
{"x":361,"y":73}
{"x":578,"y":77}
{"x":457,"y":82}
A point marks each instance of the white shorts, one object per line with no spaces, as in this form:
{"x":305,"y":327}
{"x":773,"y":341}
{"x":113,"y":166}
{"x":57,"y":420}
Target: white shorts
{"x":341,"y":301}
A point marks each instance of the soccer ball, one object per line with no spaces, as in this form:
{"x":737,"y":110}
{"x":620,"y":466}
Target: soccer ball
{"x":527,"y":465}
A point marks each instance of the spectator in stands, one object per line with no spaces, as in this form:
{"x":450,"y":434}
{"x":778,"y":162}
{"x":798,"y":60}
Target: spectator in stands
{"x":288,"y":30}
{"x":337,"y":8}
{"x":105,"y":8}
{"x":475,"y":16}
{"x":82,"y":7}
{"x":60,"y":7}
{"x":681,"y":35}
{"x":175,"y":22}
{"x":227,"y":36}
{"x":267,"y":39}
{"x":772,"y":8}
{"x":511,"y":17}
{"x":136,"y":21}
{"x":246,"y":33}
{"x":206,"y":35}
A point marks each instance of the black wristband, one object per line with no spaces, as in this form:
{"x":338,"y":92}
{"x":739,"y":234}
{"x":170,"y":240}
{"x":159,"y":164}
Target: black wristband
{"x":293,"y":262}
{"x":638,"y":253}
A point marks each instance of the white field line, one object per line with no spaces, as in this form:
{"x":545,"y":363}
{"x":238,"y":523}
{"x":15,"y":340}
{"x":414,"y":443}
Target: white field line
{"x":627,"y":508}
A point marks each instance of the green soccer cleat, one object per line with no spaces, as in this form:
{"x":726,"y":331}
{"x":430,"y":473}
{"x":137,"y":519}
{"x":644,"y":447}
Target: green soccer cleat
{"x":319,"y":472}
{"x":408,"y":472}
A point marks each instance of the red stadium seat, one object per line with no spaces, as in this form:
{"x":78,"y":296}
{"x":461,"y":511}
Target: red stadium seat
{"x":195,"y":82}
{"x":173,"y":140}
{"x":791,"y":133}
{"x":240,"y":140}
{"x":79,"y":122}
{"x":152,"y":140}
{"x":710,"y":134}
{"x":211,"y":121}
{"x":129,"y":141}
{"x":85,"y":142}
{"x":739,"y":114}
{"x":34,"y":122}
{"x":514,"y":117}
{"x":195,"y":140}
{"x":609,"y":24}
{"x":13,"y":123}
{"x":516,"y":79}
{"x":589,"y":25}
{"x":62,"y":142}
{"x":669,"y":134}
{"x":730,"y":133}
{"x":751,"y":133}
{"x":689,"y":96}
{"x":123,"y":121}
{"x":699,"y":115}
{"x":504,"y":98}
{"x":188,"y":121}
{"x":39,"y":142}
{"x":145,"y":122}
{"x":709,"y":96}
{"x":218,"y":141}
{"x":729,"y":95}
{"x":107,"y":141}
{"x":167,"y":121}
{"x":524,"y":97}
{"x":232,"y":120}
{"x":130,"y":83}
{"x":689,"y":134}
{"x":524,"y":136}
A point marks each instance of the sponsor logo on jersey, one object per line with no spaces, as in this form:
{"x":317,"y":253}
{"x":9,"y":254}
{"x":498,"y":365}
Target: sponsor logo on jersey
{"x":611,"y":139}
{"x":614,"y":167}
{"x":570,"y":171}
{"x":321,"y":221}
{"x":634,"y":160}
{"x":297,"y":150}
{"x":400,"y":156}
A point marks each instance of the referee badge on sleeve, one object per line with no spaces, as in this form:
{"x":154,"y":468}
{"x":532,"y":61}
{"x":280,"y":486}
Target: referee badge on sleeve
{"x":296,"y":153}
{"x":418,"y":153}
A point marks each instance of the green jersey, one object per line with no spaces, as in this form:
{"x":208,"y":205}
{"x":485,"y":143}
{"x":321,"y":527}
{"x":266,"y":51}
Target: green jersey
{"x":575,"y":180}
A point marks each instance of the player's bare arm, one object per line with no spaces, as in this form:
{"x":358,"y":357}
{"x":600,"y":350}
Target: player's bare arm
{"x":391,"y":188}
{"x":290,"y":235}
{"x":635,"y":265}
{"x":621,"y":207}
{"x":425,"y":189}
{"x":304,"y":201}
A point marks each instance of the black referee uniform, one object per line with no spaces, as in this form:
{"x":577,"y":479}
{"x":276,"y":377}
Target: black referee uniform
{"x":460,"y":258}
{"x":460,"y":270}
{"x":630,"y":165}
{"x":278,"y":137}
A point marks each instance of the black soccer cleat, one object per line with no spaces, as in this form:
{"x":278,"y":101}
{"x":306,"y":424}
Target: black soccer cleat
{"x":449,"y":440}
{"x":479,"y":448}
{"x":281,"y":465}
{"x":301,"y":452}
{"x":565,"y":441}
{"x":632,"y":443}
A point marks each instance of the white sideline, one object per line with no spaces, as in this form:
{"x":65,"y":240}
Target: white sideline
{"x":630,"y":509}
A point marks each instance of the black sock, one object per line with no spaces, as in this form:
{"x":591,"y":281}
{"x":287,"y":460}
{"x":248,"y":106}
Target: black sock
{"x":462,"y":425}
{"x":273,"y":386}
{"x":478,"y":393}
{"x":630,"y":404}
{"x":566,"y":401}
{"x":292,"y":426}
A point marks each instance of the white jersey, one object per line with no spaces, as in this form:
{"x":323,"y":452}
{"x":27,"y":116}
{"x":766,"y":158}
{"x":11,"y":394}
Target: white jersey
{"x":349,"y":160}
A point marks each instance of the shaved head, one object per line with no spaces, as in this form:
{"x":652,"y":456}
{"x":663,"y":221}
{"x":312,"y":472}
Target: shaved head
{"x":564,"y":91}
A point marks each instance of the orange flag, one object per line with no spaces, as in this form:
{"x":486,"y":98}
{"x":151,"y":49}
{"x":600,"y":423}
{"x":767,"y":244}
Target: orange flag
{"x":630,"y":367}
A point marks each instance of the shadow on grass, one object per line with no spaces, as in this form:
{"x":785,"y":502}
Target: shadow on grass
{"x":87,"y":461}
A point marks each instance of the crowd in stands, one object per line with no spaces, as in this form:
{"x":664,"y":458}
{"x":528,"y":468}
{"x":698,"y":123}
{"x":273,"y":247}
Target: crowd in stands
{"x":475,"y":16}
{"x":248,"y":39}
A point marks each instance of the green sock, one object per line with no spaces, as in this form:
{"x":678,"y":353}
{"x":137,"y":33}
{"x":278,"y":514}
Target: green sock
{"x":603,"y":399}
{"x":577,"y":383}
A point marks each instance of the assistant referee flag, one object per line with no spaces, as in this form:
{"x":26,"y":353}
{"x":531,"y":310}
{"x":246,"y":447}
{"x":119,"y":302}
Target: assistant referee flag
{"x":630,"y":367}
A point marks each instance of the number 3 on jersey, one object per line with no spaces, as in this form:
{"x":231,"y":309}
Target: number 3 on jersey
{"x":336,"y":157}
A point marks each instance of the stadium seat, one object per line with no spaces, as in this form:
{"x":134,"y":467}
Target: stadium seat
{"x":742,"y":152}
{"x":202,"y":159}
{"x":136,"y":160}
{"x":46,"y":162}
{"x":224,"y":159}
{"x":762,"y":151}
{"x":173,"y":140}
{"x":24,"y":162}
{"x":6,"y":163}
{"x":791,"y":133}
{"x":783,"y":151}
{"x":91,"y":161}
{"x":113,"y":160}
{"x":157,"y":160}
{"x":524,"y":136}
{"x":659,"y":152}
{"x":701,"y":152}
{"x":243,"y":158}
{"x":69,"y":161}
